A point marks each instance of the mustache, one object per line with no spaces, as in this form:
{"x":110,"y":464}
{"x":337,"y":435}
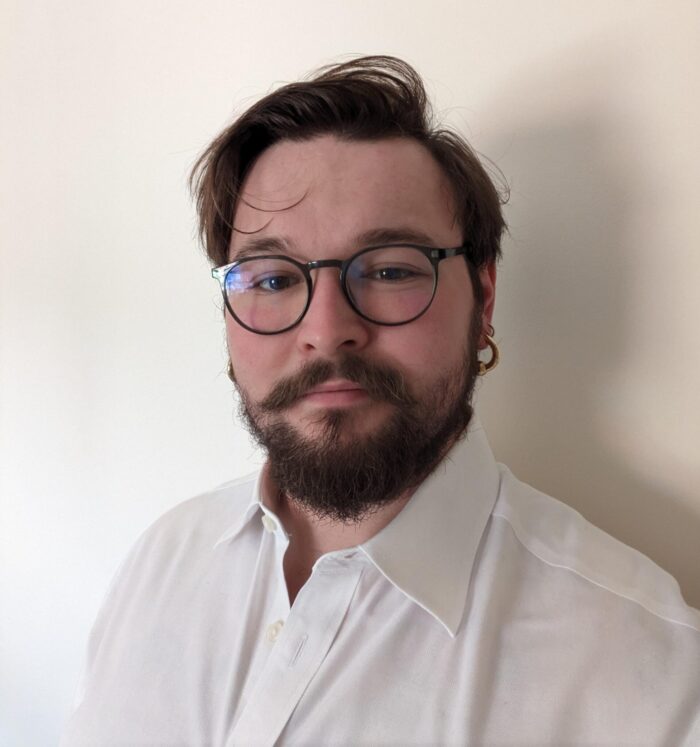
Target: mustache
{"x":381,"y":382}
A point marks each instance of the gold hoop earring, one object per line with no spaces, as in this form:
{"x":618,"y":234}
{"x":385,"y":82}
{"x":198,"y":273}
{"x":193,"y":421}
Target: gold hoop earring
{"x":229,"y":372}
{"x":484,"y":368}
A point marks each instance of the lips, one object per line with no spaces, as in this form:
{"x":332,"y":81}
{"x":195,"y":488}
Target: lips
{"x":336,"y":386}
{"x":351,"y":379}
{"x":336,"y":393}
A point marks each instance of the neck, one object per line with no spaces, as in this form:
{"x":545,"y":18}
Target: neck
{"x":321,"y":535}
{"x":311,"y":536}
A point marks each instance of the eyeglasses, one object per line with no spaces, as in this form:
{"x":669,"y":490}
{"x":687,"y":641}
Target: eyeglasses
{"x":391,"y":285}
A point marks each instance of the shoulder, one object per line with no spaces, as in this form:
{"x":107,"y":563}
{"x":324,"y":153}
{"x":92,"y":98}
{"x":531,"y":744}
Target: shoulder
{"x":558,"y":536}
{"x":186,"y":534}
{"x":174,"y":554}
{"x":207,"y":515}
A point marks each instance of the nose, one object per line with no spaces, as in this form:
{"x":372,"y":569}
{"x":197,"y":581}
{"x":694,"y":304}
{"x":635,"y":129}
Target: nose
{"x":331,"y":324}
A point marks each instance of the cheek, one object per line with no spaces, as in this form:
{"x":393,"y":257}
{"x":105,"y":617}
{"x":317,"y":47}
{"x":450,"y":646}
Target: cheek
{"x":422,"y":351}
{"x":440,"y":342}
{"x":250,"y":357}
{"x":454,"y":299}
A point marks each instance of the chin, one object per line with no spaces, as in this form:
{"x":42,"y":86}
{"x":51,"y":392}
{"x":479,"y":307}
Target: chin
{"x":341,"y":424}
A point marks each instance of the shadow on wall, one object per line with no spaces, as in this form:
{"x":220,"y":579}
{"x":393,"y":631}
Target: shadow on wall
{"x":562,"y":318}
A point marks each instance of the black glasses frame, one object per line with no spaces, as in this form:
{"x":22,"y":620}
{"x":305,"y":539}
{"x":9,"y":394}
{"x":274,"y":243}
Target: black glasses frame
{"x":434,"y":254}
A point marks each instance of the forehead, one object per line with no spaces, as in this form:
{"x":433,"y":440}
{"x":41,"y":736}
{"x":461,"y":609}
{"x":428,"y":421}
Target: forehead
{"x":321,"y":194}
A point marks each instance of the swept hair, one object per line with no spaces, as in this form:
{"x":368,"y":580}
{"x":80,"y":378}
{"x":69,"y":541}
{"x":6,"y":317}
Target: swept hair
{"x":368,"y":98}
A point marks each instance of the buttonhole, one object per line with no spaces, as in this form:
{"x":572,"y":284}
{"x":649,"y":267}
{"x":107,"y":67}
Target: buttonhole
{"x":300,"y":646}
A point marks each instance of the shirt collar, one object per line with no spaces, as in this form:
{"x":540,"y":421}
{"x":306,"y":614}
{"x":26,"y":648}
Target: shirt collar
{"x":427,"y":551}
{"x":248,"y":510}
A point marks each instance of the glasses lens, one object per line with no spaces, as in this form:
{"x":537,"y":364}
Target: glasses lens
{"x":266,"y":295}
{"x":391,"y":285}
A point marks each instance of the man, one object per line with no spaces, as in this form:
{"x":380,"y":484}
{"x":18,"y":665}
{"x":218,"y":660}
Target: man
{"x":382,"y":580}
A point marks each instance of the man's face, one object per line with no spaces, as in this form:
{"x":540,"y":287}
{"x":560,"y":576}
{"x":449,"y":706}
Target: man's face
{"x":327,"y":199}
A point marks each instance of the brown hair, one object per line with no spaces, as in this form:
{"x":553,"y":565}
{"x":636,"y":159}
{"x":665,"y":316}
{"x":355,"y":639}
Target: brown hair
{"x":365,"y":99}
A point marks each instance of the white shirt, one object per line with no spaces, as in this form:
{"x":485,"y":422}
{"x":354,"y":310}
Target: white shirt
{"x":485,"y":613}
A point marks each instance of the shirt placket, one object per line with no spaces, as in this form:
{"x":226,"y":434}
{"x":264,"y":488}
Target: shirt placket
{"x":300,"y":646}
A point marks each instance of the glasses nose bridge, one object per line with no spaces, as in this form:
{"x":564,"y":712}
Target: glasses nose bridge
{"x":319,"y":264}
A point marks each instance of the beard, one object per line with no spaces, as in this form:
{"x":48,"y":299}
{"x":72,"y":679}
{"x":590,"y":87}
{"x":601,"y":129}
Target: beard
{"x":339,"y":476}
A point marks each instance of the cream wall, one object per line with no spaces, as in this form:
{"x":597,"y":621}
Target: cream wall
{"x":114,"y":403}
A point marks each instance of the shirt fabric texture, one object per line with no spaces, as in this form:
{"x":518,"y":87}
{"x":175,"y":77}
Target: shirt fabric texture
{"x":485,"y":613}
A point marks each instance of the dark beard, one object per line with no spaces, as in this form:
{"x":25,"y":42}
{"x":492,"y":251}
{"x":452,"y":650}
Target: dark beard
{"x":347,"y":480}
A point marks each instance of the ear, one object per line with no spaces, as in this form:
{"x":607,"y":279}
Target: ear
{"x":487,"y":276}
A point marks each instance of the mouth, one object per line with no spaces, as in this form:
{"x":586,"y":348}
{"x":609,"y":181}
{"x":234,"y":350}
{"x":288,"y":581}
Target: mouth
{"x":349,"y":381}
{"x":336,"y":393}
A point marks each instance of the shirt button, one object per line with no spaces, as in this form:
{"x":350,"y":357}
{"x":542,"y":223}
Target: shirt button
{"x":274,"y":630}
{"x":269,"y":523}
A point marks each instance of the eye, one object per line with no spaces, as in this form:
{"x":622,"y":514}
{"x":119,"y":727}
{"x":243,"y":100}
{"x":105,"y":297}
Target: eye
{"x":393,"y":274}
{"x":275,"y":283}
{"x":391,"y":266}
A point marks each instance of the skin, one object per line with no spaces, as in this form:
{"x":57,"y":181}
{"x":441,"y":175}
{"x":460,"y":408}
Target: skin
{"x":333,"y":192}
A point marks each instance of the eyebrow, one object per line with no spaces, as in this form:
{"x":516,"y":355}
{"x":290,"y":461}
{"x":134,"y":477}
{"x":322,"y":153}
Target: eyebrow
{"x":393,"y":236}
{"x":374,"y":237}
{"x":262,"y":245}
